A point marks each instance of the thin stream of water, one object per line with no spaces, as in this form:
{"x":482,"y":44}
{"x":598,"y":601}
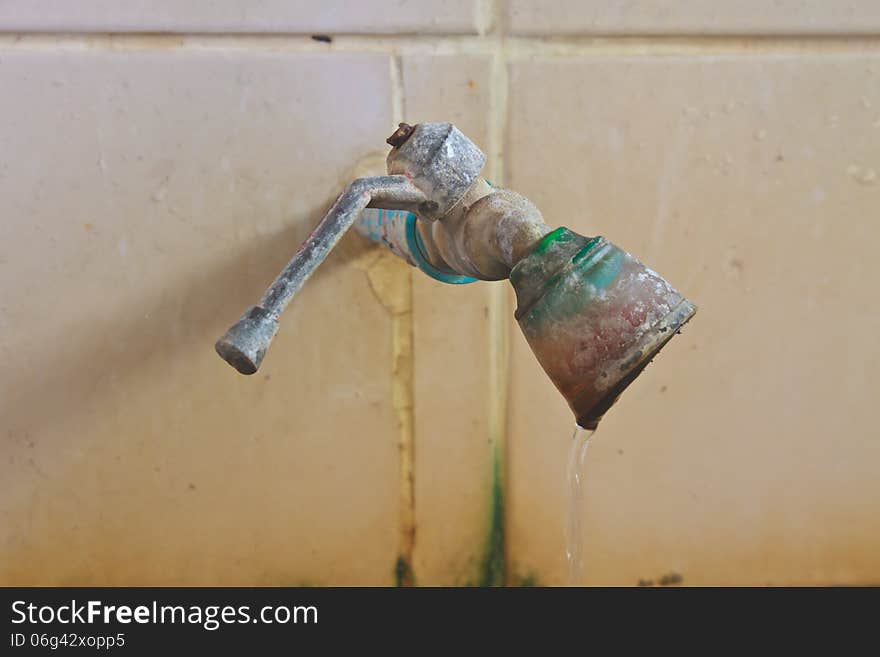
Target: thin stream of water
{"x":577,"y":465}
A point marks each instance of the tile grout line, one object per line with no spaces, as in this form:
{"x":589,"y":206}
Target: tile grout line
{"x":398,"y":110}
{"x":496,"y":560}
{"x":403,"y":376}
{"x":484,"y":43}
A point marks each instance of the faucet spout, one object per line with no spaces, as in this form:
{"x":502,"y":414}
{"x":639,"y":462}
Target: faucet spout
{"x":245,"y":343}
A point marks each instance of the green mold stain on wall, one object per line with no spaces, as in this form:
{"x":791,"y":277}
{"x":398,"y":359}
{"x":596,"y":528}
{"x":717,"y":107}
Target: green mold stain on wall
{"x":528,"y":580}
{"x":492,"y":568}
{"x":403,"y":572}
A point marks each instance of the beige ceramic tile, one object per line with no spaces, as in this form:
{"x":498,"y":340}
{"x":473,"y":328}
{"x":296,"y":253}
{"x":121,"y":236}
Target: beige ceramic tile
{"x":692,"y":17}
{"x":453,"y":452}
{"x":748,"y":452}
{"x":148,"y":198}
{"x":297,"y":16}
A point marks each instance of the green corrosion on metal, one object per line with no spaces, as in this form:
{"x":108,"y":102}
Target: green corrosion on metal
{"x":567,"y":292}
{"x":586,"y":250}
{"x":403,"y":572}
{"x":600,"y":267}
{"x":492,"y":568}
{"x":560,"y":235}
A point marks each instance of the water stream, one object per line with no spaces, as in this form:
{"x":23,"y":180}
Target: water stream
{"x":577,"y":466}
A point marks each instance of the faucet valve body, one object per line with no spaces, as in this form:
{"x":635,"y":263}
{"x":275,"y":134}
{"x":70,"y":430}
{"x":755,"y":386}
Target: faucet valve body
{"x":593,"y":315}
{"x":440,"y":161}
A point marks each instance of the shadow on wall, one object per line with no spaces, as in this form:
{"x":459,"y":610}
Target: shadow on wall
{"x":135,"y":341}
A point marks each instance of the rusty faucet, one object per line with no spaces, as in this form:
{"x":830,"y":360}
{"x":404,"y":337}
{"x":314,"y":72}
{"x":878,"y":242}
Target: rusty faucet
{"x":593,"y":315}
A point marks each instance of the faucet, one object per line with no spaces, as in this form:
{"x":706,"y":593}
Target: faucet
{"x":593,"y":315}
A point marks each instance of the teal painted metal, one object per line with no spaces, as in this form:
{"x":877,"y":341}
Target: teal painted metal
{"x":396,"y":229}
{"x":594,"y":317}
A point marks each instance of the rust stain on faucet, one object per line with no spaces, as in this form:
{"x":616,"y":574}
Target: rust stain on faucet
{"x":398,"y":137}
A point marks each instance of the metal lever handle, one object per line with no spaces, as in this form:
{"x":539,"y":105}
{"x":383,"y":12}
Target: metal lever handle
{"x":246,"y":342}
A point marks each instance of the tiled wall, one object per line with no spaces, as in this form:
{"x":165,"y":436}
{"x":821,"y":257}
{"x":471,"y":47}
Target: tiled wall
{"x":160,"y":161}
